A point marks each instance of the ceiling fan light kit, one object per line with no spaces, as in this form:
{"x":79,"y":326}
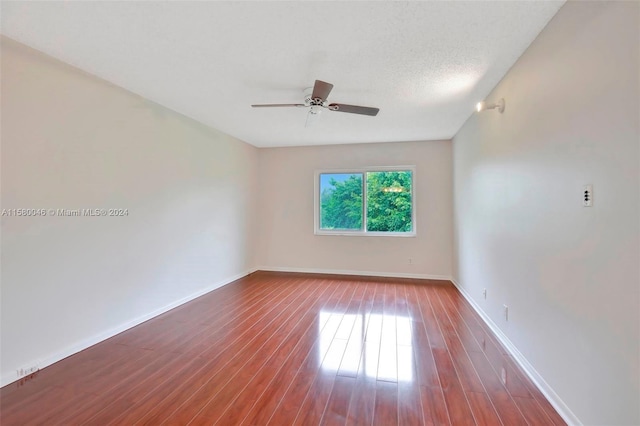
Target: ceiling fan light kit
{"x":316,"y":99}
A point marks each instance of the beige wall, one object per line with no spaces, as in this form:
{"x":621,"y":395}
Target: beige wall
{"x":287,"y":217}
{"x":70,"y":140}
{"x":569,"y":274}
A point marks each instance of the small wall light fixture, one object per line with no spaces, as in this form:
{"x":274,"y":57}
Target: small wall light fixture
{"x":481,"y":106}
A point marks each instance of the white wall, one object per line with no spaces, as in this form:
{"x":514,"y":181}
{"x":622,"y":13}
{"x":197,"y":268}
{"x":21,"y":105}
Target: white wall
{"x":70,"y":140}
{"x":570,"y":275}
{"x":287,"y":202}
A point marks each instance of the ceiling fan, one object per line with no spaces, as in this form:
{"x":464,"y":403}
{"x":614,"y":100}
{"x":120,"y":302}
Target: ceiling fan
{"x":316,"y":99}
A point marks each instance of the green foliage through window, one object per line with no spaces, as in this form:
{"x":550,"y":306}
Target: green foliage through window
{"x":341,"y":200}
{"x":388,"y":201}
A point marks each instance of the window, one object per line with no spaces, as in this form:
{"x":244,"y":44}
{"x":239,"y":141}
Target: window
{"x":376,"y":201}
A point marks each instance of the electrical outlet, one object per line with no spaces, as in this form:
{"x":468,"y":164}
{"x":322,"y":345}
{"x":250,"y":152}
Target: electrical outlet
{"x":587,"y":196}
{"x":26,"y":371}
{"x":506,"y":312}
{"x":484,"y":293}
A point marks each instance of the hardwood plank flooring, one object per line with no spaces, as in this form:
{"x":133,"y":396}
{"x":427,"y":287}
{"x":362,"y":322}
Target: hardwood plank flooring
{"x":284,"y":349}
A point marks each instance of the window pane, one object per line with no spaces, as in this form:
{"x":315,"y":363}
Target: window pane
{"x":389,"y":201}
{"x":341,"y":201}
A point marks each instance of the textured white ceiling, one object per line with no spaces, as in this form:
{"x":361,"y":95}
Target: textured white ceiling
{"x":424,"y":64}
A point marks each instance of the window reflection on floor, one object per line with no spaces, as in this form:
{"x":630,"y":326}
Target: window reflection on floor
{"x":377,"y":345}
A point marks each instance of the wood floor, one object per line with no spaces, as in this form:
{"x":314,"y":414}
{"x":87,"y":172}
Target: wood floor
{"x":288,"y":349}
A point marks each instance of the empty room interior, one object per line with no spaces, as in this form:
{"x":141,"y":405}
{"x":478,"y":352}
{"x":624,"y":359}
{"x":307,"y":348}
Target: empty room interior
{"x":362,"y":213}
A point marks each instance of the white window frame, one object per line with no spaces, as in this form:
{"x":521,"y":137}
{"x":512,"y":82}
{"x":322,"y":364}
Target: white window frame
{"x":363,"y":232}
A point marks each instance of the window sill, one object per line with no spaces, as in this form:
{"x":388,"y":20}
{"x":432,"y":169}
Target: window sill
{"x":367,"y":234}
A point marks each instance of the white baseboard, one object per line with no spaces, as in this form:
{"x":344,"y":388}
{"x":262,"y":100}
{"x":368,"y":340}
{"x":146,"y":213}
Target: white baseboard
{"x":535,"y":377}
{"x":10,"y":376}
{"x":349,"y":272}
